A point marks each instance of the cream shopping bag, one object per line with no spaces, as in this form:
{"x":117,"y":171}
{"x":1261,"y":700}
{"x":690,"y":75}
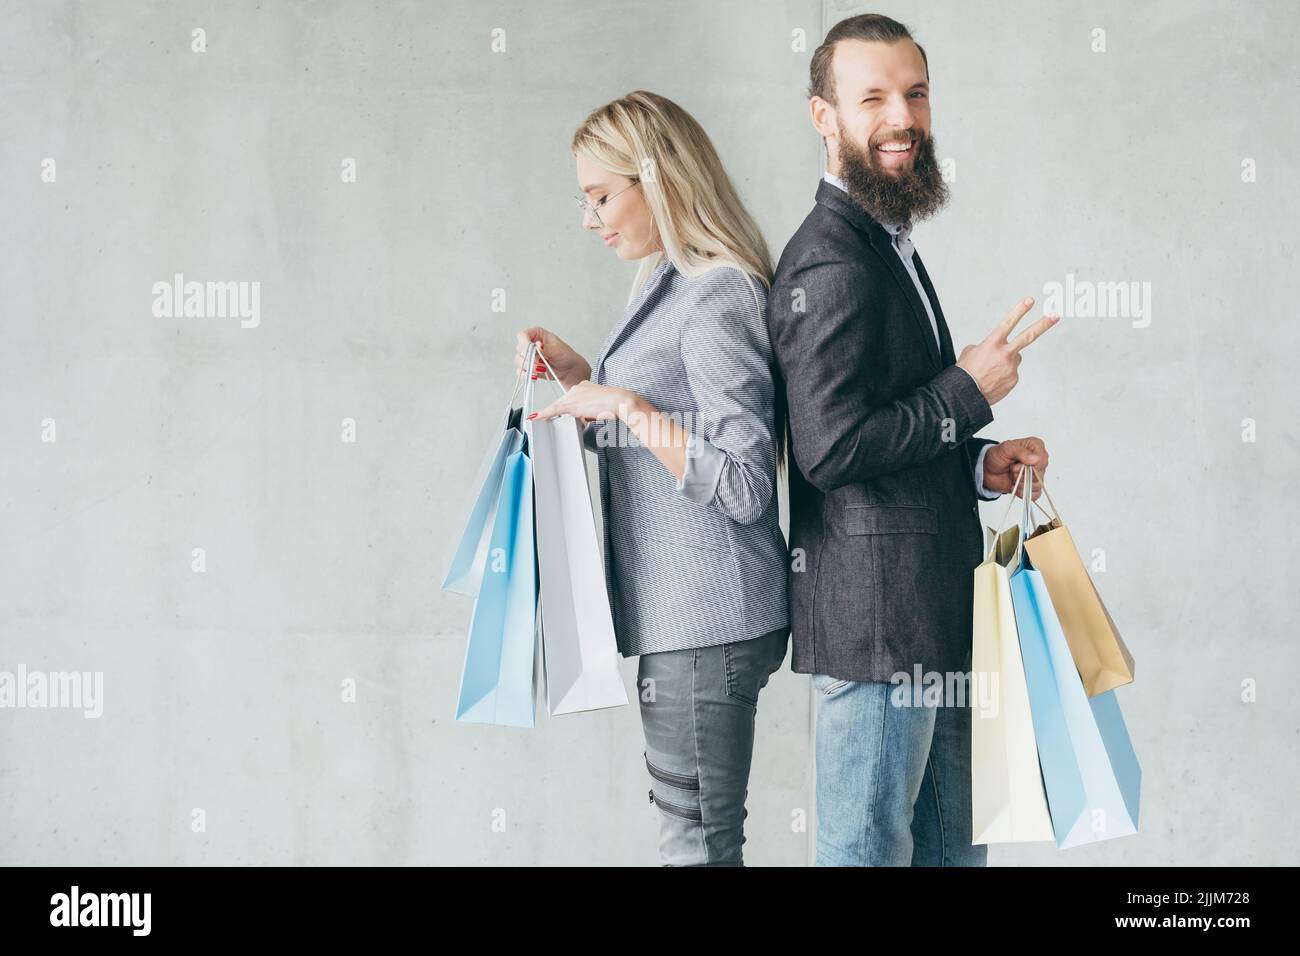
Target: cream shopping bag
{"x":1008,"y":802}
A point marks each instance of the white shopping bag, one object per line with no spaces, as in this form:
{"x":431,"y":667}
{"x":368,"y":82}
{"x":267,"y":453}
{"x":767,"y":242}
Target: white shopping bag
{"x":579,"y":651}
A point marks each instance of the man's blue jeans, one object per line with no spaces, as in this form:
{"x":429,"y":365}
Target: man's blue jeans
{"x":893,"y":782}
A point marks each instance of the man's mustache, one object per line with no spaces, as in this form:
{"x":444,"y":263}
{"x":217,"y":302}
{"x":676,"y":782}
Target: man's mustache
{"x":904,"y":137}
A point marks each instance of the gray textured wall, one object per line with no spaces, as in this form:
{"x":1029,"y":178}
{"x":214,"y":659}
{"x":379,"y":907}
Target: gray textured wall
{"x":221,"y":689}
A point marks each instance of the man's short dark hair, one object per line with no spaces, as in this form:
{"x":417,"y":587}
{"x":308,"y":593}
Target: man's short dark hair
{"x":872,"y":27}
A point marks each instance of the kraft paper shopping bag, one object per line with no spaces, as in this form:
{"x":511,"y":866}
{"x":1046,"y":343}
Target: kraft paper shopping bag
{"x":1104,"y":662}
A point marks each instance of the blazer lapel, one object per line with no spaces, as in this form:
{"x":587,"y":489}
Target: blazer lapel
{"x":636,"y":311}
{"x":946,"y":353}
{"x":883,"y":243}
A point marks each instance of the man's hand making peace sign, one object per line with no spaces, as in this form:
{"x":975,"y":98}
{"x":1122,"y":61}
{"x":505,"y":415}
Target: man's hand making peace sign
{"x":994,"y":364}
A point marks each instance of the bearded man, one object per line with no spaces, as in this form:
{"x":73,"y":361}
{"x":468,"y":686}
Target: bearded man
{"x":884,"y":522}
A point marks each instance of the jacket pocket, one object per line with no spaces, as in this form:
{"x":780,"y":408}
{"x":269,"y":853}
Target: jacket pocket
{"x":890,"y":519}
{"x":906,"y":554}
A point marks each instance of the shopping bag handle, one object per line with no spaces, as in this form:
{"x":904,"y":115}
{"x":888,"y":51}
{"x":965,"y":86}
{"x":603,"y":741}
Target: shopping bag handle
{"x":534,"y":353}
{"x":1026,"y":514}
{"x":1056,"y":514}
{"x":997,"y":530}
{"x":1027,"y":499}
{"x":519,"y":377}
{"x":555,"y":378}
{"x":1027,"y":520}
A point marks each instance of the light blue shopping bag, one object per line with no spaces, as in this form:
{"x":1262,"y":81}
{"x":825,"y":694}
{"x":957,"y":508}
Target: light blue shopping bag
{"x":465,"y":570}
{"x":1090,"y":771}
{"x":499,"y":682}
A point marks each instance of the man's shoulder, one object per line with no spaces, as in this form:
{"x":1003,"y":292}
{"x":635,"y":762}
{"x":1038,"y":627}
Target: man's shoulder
{"x":823,"y":239}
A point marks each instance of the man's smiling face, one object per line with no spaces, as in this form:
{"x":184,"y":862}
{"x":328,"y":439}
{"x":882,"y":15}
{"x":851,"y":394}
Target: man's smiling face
{"x":878,"y":129}
{"x":882,"y":93}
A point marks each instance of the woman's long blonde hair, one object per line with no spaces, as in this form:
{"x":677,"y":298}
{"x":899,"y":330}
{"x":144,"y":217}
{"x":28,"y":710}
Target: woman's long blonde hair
{"x":700,"y":220}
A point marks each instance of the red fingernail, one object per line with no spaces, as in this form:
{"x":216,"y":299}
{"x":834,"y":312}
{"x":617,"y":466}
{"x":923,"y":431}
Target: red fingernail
{"x":532,"y":416}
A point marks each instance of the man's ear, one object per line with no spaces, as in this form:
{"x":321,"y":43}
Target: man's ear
{"x":822,"y":114}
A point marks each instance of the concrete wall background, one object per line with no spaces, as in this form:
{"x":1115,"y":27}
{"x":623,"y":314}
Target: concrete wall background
{"x":222,"y":689}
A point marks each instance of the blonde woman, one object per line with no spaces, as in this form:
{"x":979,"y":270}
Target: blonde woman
{"x":680,"y":412}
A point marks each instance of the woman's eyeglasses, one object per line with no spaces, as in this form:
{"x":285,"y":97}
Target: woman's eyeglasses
{"x":587,"y":206}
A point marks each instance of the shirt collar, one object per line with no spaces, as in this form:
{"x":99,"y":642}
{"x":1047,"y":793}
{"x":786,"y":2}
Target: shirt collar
{"x":834,"y":180}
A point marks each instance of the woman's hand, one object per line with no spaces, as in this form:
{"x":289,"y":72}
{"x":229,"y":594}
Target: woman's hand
{"x":569,"y":366}
{"x":587,"y":400}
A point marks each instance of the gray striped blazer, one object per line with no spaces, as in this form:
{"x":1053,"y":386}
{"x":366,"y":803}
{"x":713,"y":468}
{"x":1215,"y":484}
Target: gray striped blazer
{"x":701,"y":561}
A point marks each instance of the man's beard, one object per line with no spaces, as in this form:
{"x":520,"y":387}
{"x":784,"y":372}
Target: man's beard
{"x":907,"y":196}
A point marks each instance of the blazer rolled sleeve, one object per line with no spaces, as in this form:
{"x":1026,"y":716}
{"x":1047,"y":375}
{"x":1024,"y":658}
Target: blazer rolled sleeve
{"x":704,"y":464}
{"x":844,"y":430}
{"x":725,"y":351}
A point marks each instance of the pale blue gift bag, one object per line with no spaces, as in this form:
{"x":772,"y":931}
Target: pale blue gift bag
{"x":499,"y":681}
{"x":465,"y":570}
{"x":1090,"y":771}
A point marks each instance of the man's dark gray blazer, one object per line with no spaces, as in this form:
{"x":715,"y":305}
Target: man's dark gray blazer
{"x":884,"y":527}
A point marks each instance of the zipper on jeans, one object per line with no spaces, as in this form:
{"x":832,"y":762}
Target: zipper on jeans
{"x":673,"y":779}
{"x":677,"y":811}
